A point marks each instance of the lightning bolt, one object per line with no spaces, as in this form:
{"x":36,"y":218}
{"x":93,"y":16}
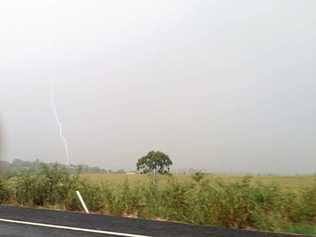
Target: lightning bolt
{"x":58,"y":121}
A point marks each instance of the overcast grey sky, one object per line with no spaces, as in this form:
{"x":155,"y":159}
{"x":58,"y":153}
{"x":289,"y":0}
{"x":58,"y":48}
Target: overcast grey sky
{"x":227,"y":85}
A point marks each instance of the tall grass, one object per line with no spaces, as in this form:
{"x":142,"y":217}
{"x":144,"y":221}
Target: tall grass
{"x":48,"y":186}
{"x":244,"y":203}
{"x":4,"y":191}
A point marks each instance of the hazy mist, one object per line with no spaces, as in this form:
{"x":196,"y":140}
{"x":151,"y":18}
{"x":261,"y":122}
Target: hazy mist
{"x":227,"y":86}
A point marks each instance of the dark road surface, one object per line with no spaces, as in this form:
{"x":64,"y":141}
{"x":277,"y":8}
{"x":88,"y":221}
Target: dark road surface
{"x":32,"y":222}
{"x":15,"y":230}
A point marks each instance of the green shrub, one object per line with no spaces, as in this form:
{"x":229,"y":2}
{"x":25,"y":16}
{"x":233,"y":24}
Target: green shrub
{"x":92,"y":194}
{"x":4,"y":191}
{"x":306,"y":229}
{"x":175,"y":201}
{"x":49,"y":186}
{"x":307,"y":211}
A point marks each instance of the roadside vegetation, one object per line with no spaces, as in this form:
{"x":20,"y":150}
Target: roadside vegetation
{"x":244,"y":202}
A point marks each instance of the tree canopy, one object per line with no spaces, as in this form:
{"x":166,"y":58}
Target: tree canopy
{"x":154,"y":162}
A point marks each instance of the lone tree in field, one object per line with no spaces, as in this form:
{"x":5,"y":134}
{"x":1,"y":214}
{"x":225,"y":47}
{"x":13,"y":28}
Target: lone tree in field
{"x":154,"y":162}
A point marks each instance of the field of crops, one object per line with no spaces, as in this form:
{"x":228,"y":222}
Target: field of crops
{"x":295,"y":183}
{"x":270,"y":203}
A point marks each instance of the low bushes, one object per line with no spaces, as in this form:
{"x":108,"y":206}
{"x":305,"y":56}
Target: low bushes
{"x":4,"y":191}
{"x":239,"y":204}
{"x":93,"y":196}
{"x":48,"y":186}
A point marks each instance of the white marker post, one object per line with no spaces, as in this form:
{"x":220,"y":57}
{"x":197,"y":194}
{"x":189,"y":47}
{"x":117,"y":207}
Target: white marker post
{"x":82,"y":202}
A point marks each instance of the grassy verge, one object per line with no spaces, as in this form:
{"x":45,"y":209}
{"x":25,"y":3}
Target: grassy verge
{"x":243,"y":202}
{"x":306,"y":229}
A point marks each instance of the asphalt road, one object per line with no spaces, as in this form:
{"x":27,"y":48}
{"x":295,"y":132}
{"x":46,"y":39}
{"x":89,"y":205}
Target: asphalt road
{"x":25,"y":222}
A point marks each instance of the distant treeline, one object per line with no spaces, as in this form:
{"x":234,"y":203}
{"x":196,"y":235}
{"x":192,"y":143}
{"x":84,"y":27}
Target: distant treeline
{"x":17,"y":166}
